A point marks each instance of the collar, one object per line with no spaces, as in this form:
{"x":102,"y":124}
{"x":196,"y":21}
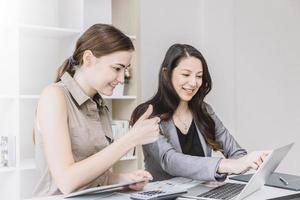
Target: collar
{"x":77,"y":93}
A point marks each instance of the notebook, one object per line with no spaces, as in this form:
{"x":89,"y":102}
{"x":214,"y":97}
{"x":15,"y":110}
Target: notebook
{"x":280,"y":180}
{"x":287,"y":197}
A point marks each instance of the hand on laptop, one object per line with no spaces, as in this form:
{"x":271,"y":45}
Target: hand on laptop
{"x":139,"y":175}
{"x":254,"y":159}
{"x":237,"y":166}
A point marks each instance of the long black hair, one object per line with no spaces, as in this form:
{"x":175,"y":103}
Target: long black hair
{"x":166,"y":99}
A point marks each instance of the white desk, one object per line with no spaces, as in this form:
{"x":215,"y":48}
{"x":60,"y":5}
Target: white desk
{"x":264,"y":193}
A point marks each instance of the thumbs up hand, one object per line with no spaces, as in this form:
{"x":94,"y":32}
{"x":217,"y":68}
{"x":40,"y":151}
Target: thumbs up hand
{"x":146,"y":130}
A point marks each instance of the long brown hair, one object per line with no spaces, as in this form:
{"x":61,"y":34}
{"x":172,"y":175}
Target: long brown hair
{"x":101,"y":39}
{"x":166,"y":99}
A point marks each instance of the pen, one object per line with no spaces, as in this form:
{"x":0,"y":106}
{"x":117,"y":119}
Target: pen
{"x":283,"y":180}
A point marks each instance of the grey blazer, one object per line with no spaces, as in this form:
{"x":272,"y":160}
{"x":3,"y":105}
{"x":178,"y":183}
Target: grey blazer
{"x":164,"y":158}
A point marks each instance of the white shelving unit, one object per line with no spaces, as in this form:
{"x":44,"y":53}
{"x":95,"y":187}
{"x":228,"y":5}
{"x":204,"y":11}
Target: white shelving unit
{"x":9,"y":92}
{"x":38,"y":39}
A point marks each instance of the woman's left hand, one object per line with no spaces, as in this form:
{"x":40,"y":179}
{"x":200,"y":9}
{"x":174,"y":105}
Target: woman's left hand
{"x":136,"y":176}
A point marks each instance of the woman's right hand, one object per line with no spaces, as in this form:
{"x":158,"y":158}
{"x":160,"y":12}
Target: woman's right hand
{"x":145,"y":130}
{"x":250,"y":161}
{"x":138,"y":175}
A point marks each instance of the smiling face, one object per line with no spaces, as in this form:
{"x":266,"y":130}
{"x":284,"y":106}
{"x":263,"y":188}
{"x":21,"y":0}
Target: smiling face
{"x":187,"y":78}
{"x":106,"y":72}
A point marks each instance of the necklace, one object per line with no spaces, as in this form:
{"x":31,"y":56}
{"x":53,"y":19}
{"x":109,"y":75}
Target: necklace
{"x":185,"y":125}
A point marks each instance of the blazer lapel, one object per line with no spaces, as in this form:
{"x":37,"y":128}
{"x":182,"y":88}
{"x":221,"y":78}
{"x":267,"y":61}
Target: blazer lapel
{"x":169,"y":130}
{"x":206,"y":148}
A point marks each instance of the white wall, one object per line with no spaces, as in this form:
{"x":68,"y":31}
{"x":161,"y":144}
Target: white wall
{"x":268,"y":76}
{"x":96,"y":11}
{"x":217,"y":28}
{"x":163,"y":23}
{"x":253,"y":50}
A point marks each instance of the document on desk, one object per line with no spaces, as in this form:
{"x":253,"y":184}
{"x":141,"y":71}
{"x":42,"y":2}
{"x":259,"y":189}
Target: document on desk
{"x":183,"y":183}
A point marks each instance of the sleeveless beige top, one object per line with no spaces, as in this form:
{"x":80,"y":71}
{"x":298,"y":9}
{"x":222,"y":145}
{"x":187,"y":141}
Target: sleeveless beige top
{"x":90,"y":131}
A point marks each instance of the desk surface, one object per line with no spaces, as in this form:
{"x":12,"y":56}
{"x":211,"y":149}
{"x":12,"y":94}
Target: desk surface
{"x":264,"y":193}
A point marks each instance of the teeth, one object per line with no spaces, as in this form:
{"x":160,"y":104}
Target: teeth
{"x":188,"y":90}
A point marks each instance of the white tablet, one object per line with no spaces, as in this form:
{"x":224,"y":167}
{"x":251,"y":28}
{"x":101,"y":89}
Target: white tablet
{"x":103,"y":189}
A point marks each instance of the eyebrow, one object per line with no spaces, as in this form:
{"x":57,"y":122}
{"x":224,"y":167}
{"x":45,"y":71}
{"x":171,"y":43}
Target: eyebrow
{"x":123,"y":65}
{"x":191,"y":71}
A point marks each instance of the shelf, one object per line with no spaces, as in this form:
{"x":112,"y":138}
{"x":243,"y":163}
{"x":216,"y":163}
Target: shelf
{"x":128,"y":158}
{"x":8,"y":96}
{"x":28,"y":164}
{"x":48,"y":31}
{"x":25,"y":96}
{"x":19,"y":96}
{"x":118,"y":97}
{"x":7,"y":169}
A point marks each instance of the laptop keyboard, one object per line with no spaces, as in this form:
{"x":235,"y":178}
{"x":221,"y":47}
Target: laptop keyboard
{"x":226,"y":191}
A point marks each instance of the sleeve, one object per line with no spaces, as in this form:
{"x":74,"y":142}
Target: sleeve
{"x":201,"y":168}
{"x":179,"y":164}
{"x":230,"y":147}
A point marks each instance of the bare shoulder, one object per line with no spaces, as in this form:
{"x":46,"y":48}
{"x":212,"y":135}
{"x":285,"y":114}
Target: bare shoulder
{"x":52,"y":92}
{"x":51,"y":96}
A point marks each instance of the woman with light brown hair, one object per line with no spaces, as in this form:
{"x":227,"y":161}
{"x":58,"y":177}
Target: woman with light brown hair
{"x":74,"y":145}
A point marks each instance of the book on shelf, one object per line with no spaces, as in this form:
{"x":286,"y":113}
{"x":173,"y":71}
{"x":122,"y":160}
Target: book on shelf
{"x":7,"y":151}
{"x":119,"y":129}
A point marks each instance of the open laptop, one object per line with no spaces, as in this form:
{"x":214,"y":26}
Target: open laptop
{"x":239,"y":191}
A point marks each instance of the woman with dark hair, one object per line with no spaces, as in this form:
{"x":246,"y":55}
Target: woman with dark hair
{"x":74,"y":147}
{"x":190,"y":129}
